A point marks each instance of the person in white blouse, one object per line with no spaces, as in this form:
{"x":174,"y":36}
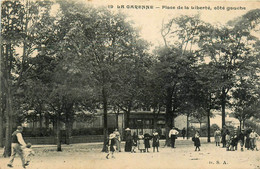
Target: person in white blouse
{"x":173,"y":135}
{"x":17,"y":143}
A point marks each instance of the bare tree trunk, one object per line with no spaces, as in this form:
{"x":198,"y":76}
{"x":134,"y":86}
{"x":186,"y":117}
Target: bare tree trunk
{"x":9,"y":111}
{"x":127,"y":118}
{"x":105,"y":129}
{"x":47,"y":121}
{"x":240,"y":125}
{"x":117,"y":114}
{"x":188,"y":134}
{"x":58,"y":132}
{"x":3,"y":100}
{"x":1,"y":129}
{"x":155,"y":119}
{"x":208,"y":116}
{"x":68,"y":126}
{"x":168,"y":116}
{"x":8,"y":132}
{"x":223,"y":106}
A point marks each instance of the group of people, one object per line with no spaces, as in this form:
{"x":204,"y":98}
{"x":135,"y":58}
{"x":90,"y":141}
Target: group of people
{"x":231,"y":140}
{"x":20,"y":148}
{"x":141,"y":141}
{"x":133,"y":142}
{"x":173,"y":134}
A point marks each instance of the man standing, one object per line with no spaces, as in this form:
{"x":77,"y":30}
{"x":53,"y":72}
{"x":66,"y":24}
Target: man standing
{"x":17,"y":143}
{"x":253,"y":137}
{"x":241,"y":139}
{"x":173,"y":135}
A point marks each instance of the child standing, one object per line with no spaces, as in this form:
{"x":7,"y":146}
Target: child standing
{"x":196,"y":140}
{"x":156,"y":141}
{"x":217,"y":136}
{"x":28,"y":152}
{"x":111,"y":145}
{"x":228,"y":140}
{"x":140,"y":143}
{"x":233,"y":143}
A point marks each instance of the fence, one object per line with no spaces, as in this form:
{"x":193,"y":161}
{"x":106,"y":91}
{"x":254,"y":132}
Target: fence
{"x":73,"y":139}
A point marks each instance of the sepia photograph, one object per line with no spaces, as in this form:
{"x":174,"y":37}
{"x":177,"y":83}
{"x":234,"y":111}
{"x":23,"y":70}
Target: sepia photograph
{"x":130,"y":84}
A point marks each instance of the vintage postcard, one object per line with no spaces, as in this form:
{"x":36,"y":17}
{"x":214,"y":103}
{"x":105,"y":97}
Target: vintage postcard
{"x":130,"y":84}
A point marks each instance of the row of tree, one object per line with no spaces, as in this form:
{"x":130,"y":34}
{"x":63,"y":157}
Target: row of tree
{"x":60,"y":63}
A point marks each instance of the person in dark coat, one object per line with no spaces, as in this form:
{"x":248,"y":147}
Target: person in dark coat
{"x":241,"y":139}
{"x":247,"y":144}
{"x":183,"y":132}
{"x":196,"y":140}
{"x":223,"y":136}
{"x":128,"y":141}
{"x":156,"y":142}
{"x":134,"y":144}
{"x":147,"y":139}
{"x":233,"y":143}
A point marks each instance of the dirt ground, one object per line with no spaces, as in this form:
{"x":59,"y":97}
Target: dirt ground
{"x":89,"y":156}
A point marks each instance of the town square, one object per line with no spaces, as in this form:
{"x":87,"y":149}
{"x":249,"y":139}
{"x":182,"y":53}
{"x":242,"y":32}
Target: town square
{"x":129,"y":84}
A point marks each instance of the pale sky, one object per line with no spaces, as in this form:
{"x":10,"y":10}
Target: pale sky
{"x":149,"y":20}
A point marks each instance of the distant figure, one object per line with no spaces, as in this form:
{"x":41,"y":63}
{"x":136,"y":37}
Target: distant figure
{"x":234,"y":142}
{"x":217,"y":136}
{"x":173,"y":135}
{"x":147,"y":139}
{"x":196,"y":140}
{"x":236,"y":134}
{"x":228,"y":140}
{"x":183,"y":132}
{"x":248,"y":143}
{"x":17,"y":143}
{"x":253,"y":137}
{"x":140,"y":142}
{"x":111,"y":145}
{"x":156,"y":142}
{"x":241,"y":139}
{"x":134,"y":144}
{"x":223,"y":136}
{"x":28,"y":153}
{"x":118,"y":140}
{"x":128,"y":140}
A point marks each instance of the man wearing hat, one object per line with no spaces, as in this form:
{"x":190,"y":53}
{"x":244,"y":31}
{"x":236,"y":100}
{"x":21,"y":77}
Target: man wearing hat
{"x":17,"y":143}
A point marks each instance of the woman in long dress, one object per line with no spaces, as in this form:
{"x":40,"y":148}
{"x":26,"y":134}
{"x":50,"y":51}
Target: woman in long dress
{"x":156,"y":143}
{"x":128,"y":141}
{"x":196,"y":140}
{"x":147,"y":139}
